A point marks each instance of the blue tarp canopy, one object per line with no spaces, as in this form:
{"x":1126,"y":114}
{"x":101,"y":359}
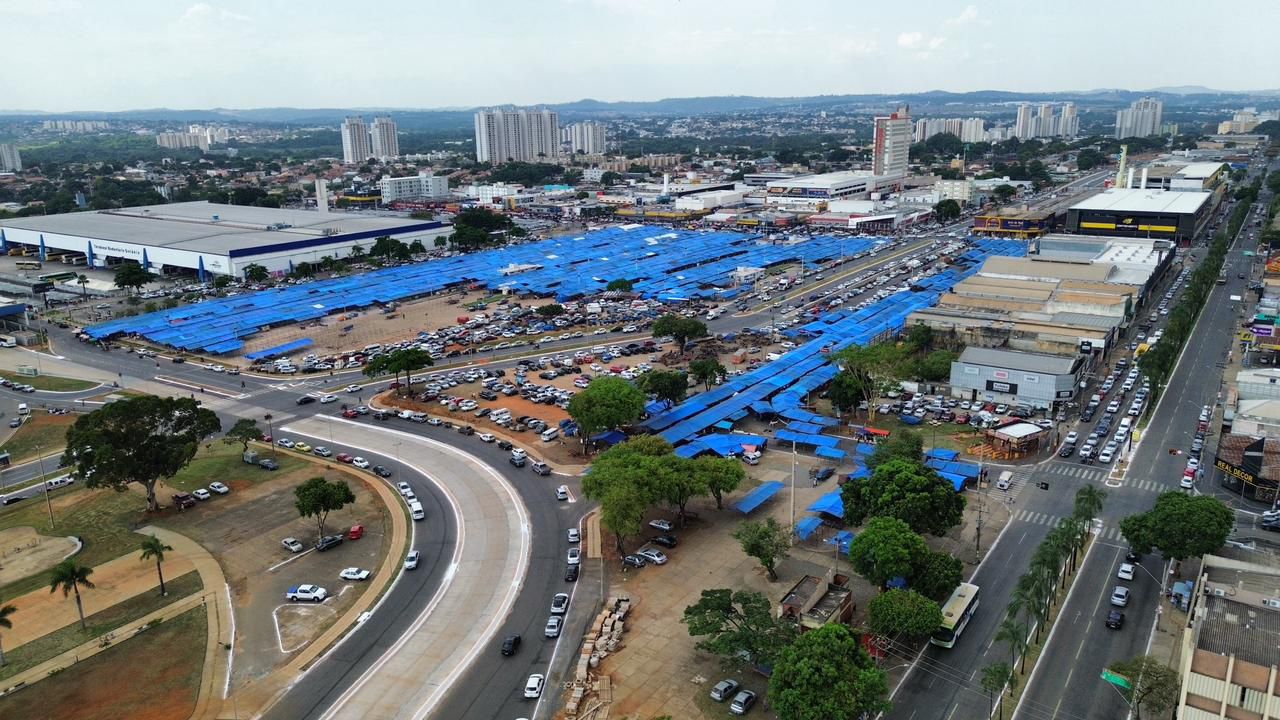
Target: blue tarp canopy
{"x":831,"y":504}
{"x":806,"y":526}
{"x":657,"y":406}
{"x":860,"y":472}
{"x":756,"y":497}
{"x":722,"y":445}
{"x":804,"y":427}
{"x":279,"y":349}
{"x":740,"y":415}
{"x":954,"y":479}
{"x":609,"y":437}
{"x":724,"y":425}
{"x":805,"y":439}
{"x":842,"y":538}
{"x":969,"y":470}
{"x":830,"y":453}
{"x":762,"y":407}
{"x":941,"y":454}
{"x":865,"y":449}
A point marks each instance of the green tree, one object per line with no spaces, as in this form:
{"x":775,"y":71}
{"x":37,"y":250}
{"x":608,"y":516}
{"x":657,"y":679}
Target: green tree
{"x":317,"y":497}
{"x":405,"y":360}
{"x":706,"y":371}
{"x":946,"y":210}
{"x":620,"y":285}
{"x":920,"y":337}
{"x":664,"y":384}
{"x":1089,"y":158}
{"x":140,"y":439}
{"x":607,"y":403}
{"x":1014,"y":634}
{"x":83,"y":281}
{"x":6,"y":624}
{"x":766,"y":541}
{"x":1155,"y":685}
{"x":903,"y":612}
{"x":994,"y":678}
{"x":908,"y":491}
{"x":1003,"y":193}
{"x":549,"y":311}
{"x":1088,"y":502}
{"x":256,"y":273}
{"x":681,"y":328}
{"x":1180,"y":526}
{"x":824,"y":674}
{"x":609,"y":178}
{"x":936,"y":575}
{"x":846,"y":391}
{"x":675,"y":484}
{"x":902,"y":445}
{"x":624,"y":480}
{"x":245,"y":431}
{"x":132,"y":276}
{"x":876,"y":368}
{"x":622,"y":509}
{"x":738,"y":624}
{"x":720,"y":475}
{"x":936,"y":366}
{"x":153,"y":547}
{"x":221,"y":282}
{"x":886,"y":549}
{"x":69,"y":576}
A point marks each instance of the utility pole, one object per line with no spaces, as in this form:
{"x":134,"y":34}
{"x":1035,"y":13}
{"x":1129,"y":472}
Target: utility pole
{"x":793,"y":493}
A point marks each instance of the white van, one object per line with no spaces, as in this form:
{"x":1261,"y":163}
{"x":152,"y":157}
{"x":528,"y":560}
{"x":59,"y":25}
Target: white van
{"x":415,"y":509}
{"x":23,"y":409}
{"x":752,"y":457}
{"x":550,"y":434}
{"x":59,"y":482}
{"x":772,"y":356}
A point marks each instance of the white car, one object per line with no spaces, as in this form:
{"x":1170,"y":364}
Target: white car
{"x":574,"y":556}
{"x":360,"y":463}
{"x":654,"y":556}
{"x":660,"y":524}
{"x":486,"y":437}
{"x":354,"y":573}
{"x":518,"y":453}
{"x":411,"y":560}
{"x":219,"y":488}
{"x":314,"y":593}
{"x":1072,"y":437}
{"x":1125,"y":572}
{"x":292,"y":545}
{"x":353,"y":388}
{"x":284,"y":443}
{"x":201,"y":494}
{"x":574,"y":535}
{"x":533,"y":686}
{"x":328,"y":398}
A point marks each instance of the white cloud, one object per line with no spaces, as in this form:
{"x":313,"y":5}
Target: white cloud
{"x":966,"y":16}
{"x":937,"y":42}
{"x":910,"y":40}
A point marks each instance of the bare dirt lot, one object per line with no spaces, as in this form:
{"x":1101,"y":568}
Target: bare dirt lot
{"x":23,"y":552}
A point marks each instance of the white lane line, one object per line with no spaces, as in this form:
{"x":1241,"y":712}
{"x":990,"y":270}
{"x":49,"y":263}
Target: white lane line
{"x":231,"y":644}
{"x":288,"y":560}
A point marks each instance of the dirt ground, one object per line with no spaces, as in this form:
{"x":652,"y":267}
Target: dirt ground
{"x":126,"y":680}
{"x":24,"y":551}
{"x":243,"y":531}
{"x":371,"y":326}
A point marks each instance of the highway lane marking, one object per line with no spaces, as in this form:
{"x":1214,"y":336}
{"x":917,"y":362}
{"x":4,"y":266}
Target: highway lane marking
{"x":202,"y":388}
{"x":1058,"y":707}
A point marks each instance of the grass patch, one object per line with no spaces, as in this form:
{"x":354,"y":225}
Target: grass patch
{"x":942,"y":436}
{"x":41,"y":434}
{"x":101,"y":518}
{"x":153,"y":675}
{"x":224,"y":462}
{"x":50,"y":382}
{"x":63,"y":639}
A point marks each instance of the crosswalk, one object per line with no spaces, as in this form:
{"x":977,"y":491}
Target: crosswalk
{"x":1092,"y":473}
{"x":1111,"y":534}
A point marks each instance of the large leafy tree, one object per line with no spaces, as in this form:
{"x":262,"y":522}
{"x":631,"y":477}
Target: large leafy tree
{"x":69,"y":576}
{"x":1155,"y":685}
{"x":901,"y":445}
{"x":624,"y":480}
{"x":675,"y":484}
{"x":766,"y":541}
{"x":664,"y":384}
{"x":681,"y":328}
{"x":1180,"y":526}
{"x":720,"y":475}
{"x":824,"y":674}
{"x":885,"y":549}
{"x":876,"y":369}
{"x":607,"y":403}
{"x":946,"y":210}
{"x":317,"y":497}
{"x":846,"y":391}
{"x":706,"y":371}
{"x":140,"y":439}
{"x":405,"y":361}
{"x":154,"y":548}
{"x":245,"y":431}
{"x":908,"y":491}
{"x":254,"y":272}
{"x":903,"y":612}
{"x":936,"y":574}
{"x":738,"y":625}
{"x":132,"y":276}
{"x":620,"y":285}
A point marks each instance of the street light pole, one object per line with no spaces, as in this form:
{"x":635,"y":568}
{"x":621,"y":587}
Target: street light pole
{"x":268,"y":417}
{"x":47,"y":502}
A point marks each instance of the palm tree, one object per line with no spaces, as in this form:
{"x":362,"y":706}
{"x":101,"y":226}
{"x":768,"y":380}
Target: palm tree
{"x":5,"y":623}
{"x":152,"y":547}
{"x":70,"y":577}
{"x":1089,"y":503}
{"x":1015,"y":634}
{"x":1024,"y":597}
{"x":83,"y":280}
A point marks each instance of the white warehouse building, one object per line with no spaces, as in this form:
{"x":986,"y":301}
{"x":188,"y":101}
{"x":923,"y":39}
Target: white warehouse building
{"x":206,"y":237}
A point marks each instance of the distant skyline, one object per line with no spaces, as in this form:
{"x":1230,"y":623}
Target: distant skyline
{"x":69,"y":55}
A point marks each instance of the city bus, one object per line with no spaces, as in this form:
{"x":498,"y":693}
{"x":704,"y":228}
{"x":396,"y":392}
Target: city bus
{"x":28,"y":264}
{"x":955,"y":615}
{"x":59,"y":276}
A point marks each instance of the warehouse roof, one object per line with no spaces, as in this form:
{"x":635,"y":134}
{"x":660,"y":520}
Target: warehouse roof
{"x":1148,"y":201}
{"x":192,"y":226}
{"x":1012,"y":360}
{"x":1031,"y":269}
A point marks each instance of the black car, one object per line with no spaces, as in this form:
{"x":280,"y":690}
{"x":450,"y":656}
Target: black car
{"x":179,"y":360}
{"x":305,"y":400}
{"x":634,"y":561}
{"x":488,"y":395}
{"x":664,"y":540}
{"x":1133,"y":557}
{"x":821,"y":474}
{"x":1115,"y":619}
{"x":381,"y":471}
{"x":510,"y":644}
{"x":570,"y":573}
{"x":504,"y":444}
{"x":327,"y":542}
{"x":1067,"y":450}
{"x":268,"y":464}
{"x":467,"y":430}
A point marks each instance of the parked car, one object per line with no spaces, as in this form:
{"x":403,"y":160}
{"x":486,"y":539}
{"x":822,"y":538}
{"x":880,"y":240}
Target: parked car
{"x":571,"y":573}
{"x":354,"y":573}
{"x":219,"y":488}
{"x":634,"y":561}
{"x":329,"y":541}
{"x":660,"y":524}
{"x":311,"y":593}
{"x":1125,"y":572}
{"x":268,"y":464}
{"x":1120,"y":596}
{"x":292,"y":545}
{"x":554,"y":624}
{"x":653,"y":555}
{"x":742,"y":702}
{"x":574,"y":556}
{"x":201,"y":494}
{"x":381,"y":471}
{"x":667,"y":541}
{"x":724,"y":690}
{"x":560,"y":604}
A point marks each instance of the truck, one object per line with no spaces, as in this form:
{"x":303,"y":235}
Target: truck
{"x":8,"y":341}
{"x":311,"y":593}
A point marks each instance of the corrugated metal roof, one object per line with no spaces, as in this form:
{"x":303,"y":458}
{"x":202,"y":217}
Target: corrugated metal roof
{"x":1013,"y":360}
{"x":1151,"y":201}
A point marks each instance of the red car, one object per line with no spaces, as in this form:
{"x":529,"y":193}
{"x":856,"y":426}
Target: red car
{"x":345,"y":458}
{"x":962,"y":419}
{"x":395,"y":386}
{"x":350,"y":414}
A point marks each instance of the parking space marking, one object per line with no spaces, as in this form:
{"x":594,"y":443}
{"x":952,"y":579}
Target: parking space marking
{"x":275,"y":618}
{"x":286,"y":561}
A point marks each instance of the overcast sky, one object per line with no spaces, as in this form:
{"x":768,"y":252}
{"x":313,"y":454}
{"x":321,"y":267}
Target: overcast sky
{"x":66,"y":55}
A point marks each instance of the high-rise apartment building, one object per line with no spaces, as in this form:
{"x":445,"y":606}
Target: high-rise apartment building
{"x":355,"y":140}
{"x":587,"y":138}
{"x":892,"y":143}
{"x":1142,"y":118}
{"x":1044,"y":121}
{"x":519,"y":134}
{"x":385,"y":144}
{"x":183,"y":140}
{"x":973,"y":130}
{"x":10,"y":161}
{"x":1024,"y":128}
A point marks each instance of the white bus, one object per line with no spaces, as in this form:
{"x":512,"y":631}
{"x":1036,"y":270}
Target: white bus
{"x":955,"y":615}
